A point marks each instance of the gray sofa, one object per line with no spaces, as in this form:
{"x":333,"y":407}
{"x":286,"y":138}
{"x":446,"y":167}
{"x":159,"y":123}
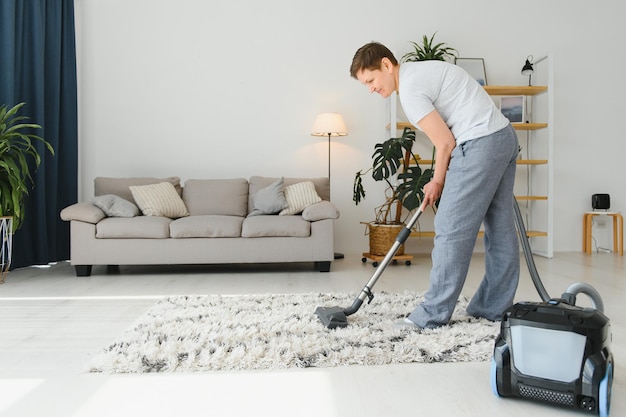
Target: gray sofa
{"x":141,"y":221}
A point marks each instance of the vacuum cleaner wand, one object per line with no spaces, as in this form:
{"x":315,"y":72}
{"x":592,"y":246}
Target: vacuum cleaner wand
{"x":333,"y":317}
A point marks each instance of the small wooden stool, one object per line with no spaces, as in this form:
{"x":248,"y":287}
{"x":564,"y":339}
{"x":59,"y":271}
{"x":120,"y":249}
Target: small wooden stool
{"x":618,"y":230}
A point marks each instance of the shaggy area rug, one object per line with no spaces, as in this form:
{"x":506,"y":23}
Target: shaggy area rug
{"x":254,"y":332}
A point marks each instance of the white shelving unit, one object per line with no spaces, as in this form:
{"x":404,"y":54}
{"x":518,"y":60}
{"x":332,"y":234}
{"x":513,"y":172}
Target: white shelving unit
{"x":534,"y":188}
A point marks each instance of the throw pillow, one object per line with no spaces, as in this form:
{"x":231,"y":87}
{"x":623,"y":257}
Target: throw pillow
{"x":320,"y":211}
{"x":159,"y":200}
{"x":299,"y":196}
{"x":115,"y":206}
{"x":269,"y":200}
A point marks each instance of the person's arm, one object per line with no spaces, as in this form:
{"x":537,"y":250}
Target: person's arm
{"x":442,"y":138}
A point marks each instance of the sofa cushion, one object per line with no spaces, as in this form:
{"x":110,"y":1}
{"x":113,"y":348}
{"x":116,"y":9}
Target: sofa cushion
{"x":84,"y":212}
{"x":271,"y":226}
{"x":159,"y":200}
{"x":115,"y":206}
{"x":299,"y":196}
{"x":143,"y":227}
{"x":320,"y":211}
{"x":120,"y":186}
{"x":216,"y":196}
{"x":206,"y":226}
{"x":269,"y":200}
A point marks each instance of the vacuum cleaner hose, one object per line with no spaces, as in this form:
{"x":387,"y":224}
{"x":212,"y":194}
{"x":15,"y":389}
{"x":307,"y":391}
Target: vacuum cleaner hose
{"x":532,"y":269}
{"x":354,"y":307}
{"x":570,"y":293}
{"x":588,"y":290}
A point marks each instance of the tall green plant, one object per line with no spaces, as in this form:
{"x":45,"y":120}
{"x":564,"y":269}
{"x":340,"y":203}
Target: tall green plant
{"x":17,"y":147}
{"x":429,"y":51}
{"x":394,"y":160}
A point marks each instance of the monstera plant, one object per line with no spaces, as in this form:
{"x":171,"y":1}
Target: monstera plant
{"x":395,"y":163}
{"x":429,"y":50}
{"x":17,"y":151}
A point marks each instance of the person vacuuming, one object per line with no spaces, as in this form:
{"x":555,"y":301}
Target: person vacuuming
{"x":475,"y":153}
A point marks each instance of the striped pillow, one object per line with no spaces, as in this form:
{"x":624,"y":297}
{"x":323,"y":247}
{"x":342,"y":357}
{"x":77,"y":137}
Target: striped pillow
{"x":299,"y":196}
{"x":159,"y":200}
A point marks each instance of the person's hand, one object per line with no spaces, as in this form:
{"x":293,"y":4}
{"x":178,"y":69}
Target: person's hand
{"x":432,"y":192}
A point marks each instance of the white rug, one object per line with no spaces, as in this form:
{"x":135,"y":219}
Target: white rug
{"x":211,"y":333}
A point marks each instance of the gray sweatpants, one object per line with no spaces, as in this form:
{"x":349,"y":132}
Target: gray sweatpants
{"x":478,"y":190}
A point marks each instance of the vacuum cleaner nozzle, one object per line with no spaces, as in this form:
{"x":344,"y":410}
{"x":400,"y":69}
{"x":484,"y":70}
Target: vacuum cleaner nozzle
{"x":332,"y":317}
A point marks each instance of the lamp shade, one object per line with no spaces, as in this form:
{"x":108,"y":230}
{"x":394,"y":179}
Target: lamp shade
{"x":329,"y":124}
{"x":527,"y":69}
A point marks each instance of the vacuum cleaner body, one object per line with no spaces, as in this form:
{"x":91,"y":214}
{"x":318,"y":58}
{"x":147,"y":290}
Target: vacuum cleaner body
{"x":554,"y":352}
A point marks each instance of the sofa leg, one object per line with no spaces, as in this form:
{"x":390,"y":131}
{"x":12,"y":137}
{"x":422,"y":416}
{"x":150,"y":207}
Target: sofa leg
{"x":113,"y":269}
{"x":83,"y":270}
{"x":323,"y":266}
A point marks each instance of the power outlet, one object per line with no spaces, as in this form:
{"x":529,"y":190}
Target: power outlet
{"x":601,"y":223}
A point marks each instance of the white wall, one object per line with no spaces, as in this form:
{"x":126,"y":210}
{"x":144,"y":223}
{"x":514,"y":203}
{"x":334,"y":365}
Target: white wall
{"x":205,"y":89}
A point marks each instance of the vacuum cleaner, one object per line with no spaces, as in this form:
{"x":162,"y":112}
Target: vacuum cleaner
{"x":554,"y":351}
{"x":551,"y":351}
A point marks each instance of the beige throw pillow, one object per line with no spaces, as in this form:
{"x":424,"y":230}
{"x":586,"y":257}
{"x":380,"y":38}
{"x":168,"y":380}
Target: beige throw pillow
{"x":299,"y":196}
{"x":159,"y":200}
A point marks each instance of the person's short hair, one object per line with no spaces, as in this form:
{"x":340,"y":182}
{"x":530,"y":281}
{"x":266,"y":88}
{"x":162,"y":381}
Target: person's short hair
{"x":369,"y":57}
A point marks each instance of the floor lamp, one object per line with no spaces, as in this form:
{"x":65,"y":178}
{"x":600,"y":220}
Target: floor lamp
{"x":329,"y":124}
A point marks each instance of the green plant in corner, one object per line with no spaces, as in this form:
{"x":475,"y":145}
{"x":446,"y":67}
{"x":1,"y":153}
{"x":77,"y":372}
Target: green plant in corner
{"x":17,"y":146}
{"x":429,"y":51}
{"x":394,"y":160}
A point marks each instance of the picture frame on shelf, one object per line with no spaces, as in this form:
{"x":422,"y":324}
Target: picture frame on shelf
{"x":513,"y":108}
{"x":474,"y":67}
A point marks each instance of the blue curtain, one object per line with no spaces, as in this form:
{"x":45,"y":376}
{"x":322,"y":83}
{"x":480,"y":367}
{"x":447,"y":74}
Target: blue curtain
{"x":38,"y":67}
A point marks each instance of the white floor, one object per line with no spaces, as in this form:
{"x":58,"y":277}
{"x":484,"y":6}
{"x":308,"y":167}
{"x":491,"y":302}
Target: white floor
{"x":51,"y":322}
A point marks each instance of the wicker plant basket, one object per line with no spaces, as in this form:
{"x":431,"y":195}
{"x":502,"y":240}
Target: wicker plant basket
{"x":382,"y":237}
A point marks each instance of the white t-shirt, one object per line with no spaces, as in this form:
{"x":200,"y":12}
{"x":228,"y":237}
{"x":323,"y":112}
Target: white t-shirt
{"x":463,"y":104}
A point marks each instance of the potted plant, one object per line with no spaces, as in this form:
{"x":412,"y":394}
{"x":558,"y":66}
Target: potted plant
{"x":17,"y":148}
{"x":428,"y":50}
{"x":395,"y":163}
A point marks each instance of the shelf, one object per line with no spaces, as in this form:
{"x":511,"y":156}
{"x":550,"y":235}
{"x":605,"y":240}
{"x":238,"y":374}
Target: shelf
{"x":426,"y":162}
{"x":532,"y":161}
{"x":529,"y":126}
{"x":529,"y":233}
{"x":515,"y":90}
{"x":516,"y":126}
{"x":402,"y":125}
{"x":531,"y":197}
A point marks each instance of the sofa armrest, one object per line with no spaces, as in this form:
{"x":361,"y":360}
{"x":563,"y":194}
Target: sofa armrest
{"x":320,"y":211}
{"x":85,"y":212}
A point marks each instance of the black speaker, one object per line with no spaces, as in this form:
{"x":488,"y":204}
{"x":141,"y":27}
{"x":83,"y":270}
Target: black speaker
{"x":600,"y":201}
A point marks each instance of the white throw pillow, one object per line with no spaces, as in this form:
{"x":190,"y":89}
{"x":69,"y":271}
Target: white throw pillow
{"x":299,"y":196}
{"x":159,"y":200}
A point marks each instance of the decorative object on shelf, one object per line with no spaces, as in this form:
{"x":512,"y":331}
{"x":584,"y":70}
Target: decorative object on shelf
{"x":428,"y":51}
{"x":6,"y":234}
{"x":512,"y":107}
{"x":395,"y":163}
{"x":17,"y":147}
{"x":528,"y":68}
{"x":329,"y":124}
{"x":474,"y":67}
{"x":600,"y":201}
